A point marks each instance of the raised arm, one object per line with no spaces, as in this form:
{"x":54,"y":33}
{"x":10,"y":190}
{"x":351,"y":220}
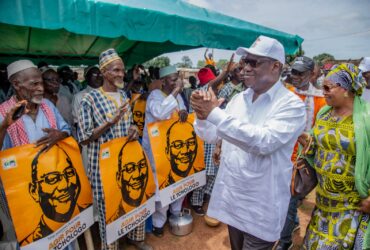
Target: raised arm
{"x":205,"y":54}
{"x":87,"y":132}
{"x":226,"y":70}
{"x":206,"y":130}
{"x":161,"y":108}
{"x":288,"y":122}
{"x":203,"y":128}
{"x":8,"y":120}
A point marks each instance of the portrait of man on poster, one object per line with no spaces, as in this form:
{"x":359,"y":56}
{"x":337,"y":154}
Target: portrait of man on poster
{"x":132,"y":179}
{"x":138,"y":114}
{"x":55,"y":186}
{"x":181,"y":151}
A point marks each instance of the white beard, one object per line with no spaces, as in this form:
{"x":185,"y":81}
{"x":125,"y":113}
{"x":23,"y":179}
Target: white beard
{"x":36,"y":100}
{"x":119,"y":85}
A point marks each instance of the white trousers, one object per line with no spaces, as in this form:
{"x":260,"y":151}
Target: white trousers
{"x":160,"y":214}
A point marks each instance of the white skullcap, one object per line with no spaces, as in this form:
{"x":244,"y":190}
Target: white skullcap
{"x":165,"y":71}
{"x":18,"y":66}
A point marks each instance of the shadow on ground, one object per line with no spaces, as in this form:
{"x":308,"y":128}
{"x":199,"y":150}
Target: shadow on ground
{"x":204,"y":237}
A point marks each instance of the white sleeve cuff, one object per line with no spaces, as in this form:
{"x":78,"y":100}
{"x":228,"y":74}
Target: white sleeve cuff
{"x":170,"y":99}
{"x":201,"y":123}
{"x":216,"y":116}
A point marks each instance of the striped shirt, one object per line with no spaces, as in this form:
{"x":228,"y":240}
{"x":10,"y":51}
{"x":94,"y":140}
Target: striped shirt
{"x":94,"y":111}
{"x":97,"y":107}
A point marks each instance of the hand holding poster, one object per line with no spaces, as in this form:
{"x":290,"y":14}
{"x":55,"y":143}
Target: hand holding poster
{"x":48,"y":194}
{"x":179,"y":158}
{"x":128,"y":186}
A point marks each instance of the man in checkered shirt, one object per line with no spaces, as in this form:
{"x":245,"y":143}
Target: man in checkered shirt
{"x":105,"y":115}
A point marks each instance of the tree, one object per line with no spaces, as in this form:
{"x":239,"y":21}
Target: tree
{"x":201,"y":64}
{"x":290,"y":58}
{"x":161,"y":61}
{"x":221,"y":63}
{"x":185,"y":62}
{"x":300,"y":52}
{"x":321,"y":58}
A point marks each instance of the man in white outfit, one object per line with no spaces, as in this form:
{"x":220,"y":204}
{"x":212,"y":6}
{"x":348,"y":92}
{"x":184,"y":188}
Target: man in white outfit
{"x":258,"y":129}
{"x":365,"y":69}
{"x":160,"y":105}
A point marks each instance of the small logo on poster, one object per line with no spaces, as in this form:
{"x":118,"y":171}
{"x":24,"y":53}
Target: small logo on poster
{"x":9,"y":163}
{"x":105,"y":154}
{"x":154,"y":131}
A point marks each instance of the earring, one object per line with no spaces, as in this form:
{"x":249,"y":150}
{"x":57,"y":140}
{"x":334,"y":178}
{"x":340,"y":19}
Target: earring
{"x":345,"y":94}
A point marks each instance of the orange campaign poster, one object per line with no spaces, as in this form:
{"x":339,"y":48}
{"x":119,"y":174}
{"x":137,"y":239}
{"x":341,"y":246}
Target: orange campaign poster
{"x":128,"y":186}
{"x":138,"y":112}
{"x":134,"y":97}
{"x":179,"y":158}
{"x":48,"y":194}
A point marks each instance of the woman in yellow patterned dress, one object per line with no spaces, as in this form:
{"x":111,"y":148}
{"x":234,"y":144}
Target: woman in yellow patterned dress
{"x":340,"y":155}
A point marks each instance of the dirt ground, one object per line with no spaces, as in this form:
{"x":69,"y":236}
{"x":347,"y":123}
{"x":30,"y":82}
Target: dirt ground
{"x":204,"y":237}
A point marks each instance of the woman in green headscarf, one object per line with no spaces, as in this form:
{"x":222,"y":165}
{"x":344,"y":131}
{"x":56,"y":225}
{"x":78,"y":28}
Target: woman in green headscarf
{"x":340,"y":155}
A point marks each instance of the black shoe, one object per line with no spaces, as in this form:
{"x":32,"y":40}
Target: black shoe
{"x":158,"y":231}
{"x":198,"y":210}
{"x":284,"y":246}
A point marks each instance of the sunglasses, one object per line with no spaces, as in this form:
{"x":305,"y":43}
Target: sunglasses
{"x":297,"y":73}
{"x":328,"y":88}
{"x":254,"y":63}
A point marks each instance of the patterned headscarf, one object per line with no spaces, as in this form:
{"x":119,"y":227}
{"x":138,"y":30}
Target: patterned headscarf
{"x":348,"y":77}
{"x":108,"y":56}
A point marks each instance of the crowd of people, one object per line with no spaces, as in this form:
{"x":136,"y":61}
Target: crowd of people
{"x":254,"y":116}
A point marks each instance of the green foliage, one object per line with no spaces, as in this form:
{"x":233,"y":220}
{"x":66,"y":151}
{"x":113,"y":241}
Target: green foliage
{"x":300,"y":52}
{"x":221,"y":63}
{"x":185,"y":63}
{"x":201,"y":64}
{"x":321,"y":58}
{"x":290,"y":58}
{"x":161,"y":61}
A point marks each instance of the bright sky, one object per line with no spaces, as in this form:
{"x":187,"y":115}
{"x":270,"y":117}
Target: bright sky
{"x":337,"y":27}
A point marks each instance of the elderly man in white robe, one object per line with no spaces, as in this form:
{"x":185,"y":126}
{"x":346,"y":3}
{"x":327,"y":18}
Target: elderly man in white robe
{"x":160,"y":105}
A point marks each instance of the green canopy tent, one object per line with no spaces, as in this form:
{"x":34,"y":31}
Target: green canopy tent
{"x":76,"y":31}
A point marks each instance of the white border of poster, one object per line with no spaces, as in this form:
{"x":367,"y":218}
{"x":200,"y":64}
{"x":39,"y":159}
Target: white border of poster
{"x":66,"y":234}
{"x":181,"y":188}
{"x":130,"y":221}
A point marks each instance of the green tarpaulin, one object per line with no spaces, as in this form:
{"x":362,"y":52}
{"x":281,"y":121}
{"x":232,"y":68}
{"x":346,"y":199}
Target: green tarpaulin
{"x":76,"y":31}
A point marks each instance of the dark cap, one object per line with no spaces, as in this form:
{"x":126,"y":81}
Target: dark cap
{"x":303,"y":64}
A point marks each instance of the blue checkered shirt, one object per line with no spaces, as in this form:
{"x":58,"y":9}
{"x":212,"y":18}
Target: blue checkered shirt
{"x":228,"y":91}
{"x":92,"y":114}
